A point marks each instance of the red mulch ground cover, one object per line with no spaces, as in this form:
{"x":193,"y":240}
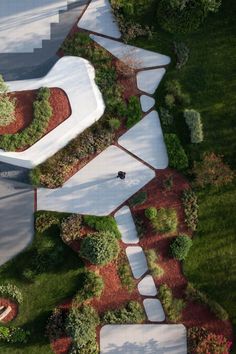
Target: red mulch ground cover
{"x":24,"y":110}
{"x":14,"y":306}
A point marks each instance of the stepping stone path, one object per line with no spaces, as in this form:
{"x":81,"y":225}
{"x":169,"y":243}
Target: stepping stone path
{"x":147,"y":102}
{"x":147,"y":287}
{"x":137,"y":261}
{"x":99,"y":18}
{"x":149,"y":80}
{"x":4,"y":312}
{"x":146,"y":141}
{"x":154,"y":310}
{"x":126,"y":225}
{"x":137,"y":58}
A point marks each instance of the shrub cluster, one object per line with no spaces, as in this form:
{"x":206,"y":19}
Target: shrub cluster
{"x":194,"y":122}
{"x":165,"y":220}
{"x":130,"y":314}
{"x":166,"y":117}
{"x":71,"y":228}
{"x":134,"y":112}
{"x":100,"y":248}
{"x":44,"y":221}
{"x":177,"y":156}
{"x":42,"y":112}
{"x":155,"y":269}
{"x":175,"y":95}
{"x":198,"y":296}
{"x":173,"y":307}
{"x":102,"y":223}
{"x":91,"y":285}
{"x":11,"y":291}
{"x":13,"y":335}
{"x":190,"y":203}
{"x":182,"y":54}
{"x":126,"y":276}
{"x":180,"y":247}
{"x":7,"y":105}
{"x":81,"y":326}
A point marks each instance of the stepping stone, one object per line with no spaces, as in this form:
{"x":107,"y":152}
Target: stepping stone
{"x":147,"y":102}
{"x":149,"y":80}
{"x":147,"y":287}
{"x":126,"y":225}
{"x":137,"y":261}
{"x":99,"y":18}
{"x":5,"y":313}
{"x":154,"y":310}
{"x":146,"y":141}
{"x":141,"y":58}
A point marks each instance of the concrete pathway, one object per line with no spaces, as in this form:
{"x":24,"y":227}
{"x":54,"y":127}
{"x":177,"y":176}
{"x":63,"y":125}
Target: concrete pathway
{"x":147,"y":102}
{"x":17,"y":221}
{"x":154,"y":310}
{"x":126,"y":225}
{"x":147,"y":287}
{"x":143,"y":339}
{"x":149,"y":80}
{"x":75,"y":76}
{"x":137,"y":261}
{"x":98,"y":18}
{"x":146,"y":141}
{"x":95,"y":190}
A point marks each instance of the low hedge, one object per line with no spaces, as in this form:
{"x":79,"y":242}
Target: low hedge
{"x":131,"y":313}
{"x":173,"y":307}
{"x":177,"y":156}
{"x":102,"y":223}
{"x":190,"y":203}
{"x":194,"y":122}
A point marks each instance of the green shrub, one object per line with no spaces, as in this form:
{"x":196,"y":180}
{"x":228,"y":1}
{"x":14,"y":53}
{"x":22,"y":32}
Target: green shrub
{"x":131,"y":313}
{"x":180,"y":247}
{"x":81,"y":326}
{"x":173,"y":307}
{"x":3,"y":85}
{"x":177,"y":156}
{"x":91,"y":285}
{"x":173,"y":88}
{"x":100,"y":248}
{"x":102,"y":223}
{"x":132,"y":8}
{"x":182,"y":54}
{"x":56,"y":324}
{"x":151,"y":213}
{"x":190,"y":203}
{"x":35,"y":175}
{"x":7,"y":110}
{"x":11,"y":291}
{"x":114,"y":124}
{"x":165,"y":221}
{"x":155,"y":269}
{"x":168,"y":183}
{"x":166,"y":117}
{"x":14,"y":335}
{"x":196,"y":295}
{"x":194,"y":122}
{"x":134,"y":112}
{"x":71,"y":228}
{"x":126,"y":276}
{"x":170,"y":100}
{"x":44,"y":221}
{"x":138,"y":199}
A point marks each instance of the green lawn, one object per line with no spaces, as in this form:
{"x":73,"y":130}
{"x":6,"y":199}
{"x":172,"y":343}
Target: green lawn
{"x":209,"y":78}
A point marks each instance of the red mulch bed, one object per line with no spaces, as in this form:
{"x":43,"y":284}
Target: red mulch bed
{"x":24,"y":110}
{"x":14,"y":311}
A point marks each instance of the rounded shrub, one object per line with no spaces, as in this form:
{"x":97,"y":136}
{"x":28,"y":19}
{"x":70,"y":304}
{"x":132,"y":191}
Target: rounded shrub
{"x":180,"y":247}
{"x":100,"y":248}
{"x":91,"y":285}
{"x":151,"y":213}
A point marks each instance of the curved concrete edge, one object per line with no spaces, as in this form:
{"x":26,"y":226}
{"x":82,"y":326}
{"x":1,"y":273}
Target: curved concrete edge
{"x":76,"y":77}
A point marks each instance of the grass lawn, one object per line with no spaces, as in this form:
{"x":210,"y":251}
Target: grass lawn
{"x":51,"y":287}
{"x":209,"y":79}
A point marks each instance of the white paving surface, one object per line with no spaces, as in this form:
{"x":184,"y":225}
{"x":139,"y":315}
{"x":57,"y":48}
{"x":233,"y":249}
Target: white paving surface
{"x":146,"y":141}
{"x":147,"y":102}
{"x":76,"y":77}
{"x":147,"y":287}
{"x":142,"y":58}
{"x":137,"y":261}
{"x":149,"y":80}
{"x":143,"y":339}
{"x":154,"y":310}
{"x":95,"y":190}
{"x":126,"y":225}
{"x":24,"y":24}
{"x":99,"y":18}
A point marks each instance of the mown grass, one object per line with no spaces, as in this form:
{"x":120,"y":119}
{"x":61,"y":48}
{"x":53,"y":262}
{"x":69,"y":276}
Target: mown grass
{"x":209,"y":78}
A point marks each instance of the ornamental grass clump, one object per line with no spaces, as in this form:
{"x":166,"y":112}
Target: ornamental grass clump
{"x":71,"y":228}
{"x":190,"y":203}
{"x":194,"y":122}
{"x":7,"y":105}
{"x":173,"y":307}
{"x":155,"y":269}
{"x":166,"y":220}
{"x":180,"y":247}
{"x":131,"y":313}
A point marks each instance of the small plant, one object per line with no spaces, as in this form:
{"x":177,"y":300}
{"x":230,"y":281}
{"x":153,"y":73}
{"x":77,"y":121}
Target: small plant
{"x":139,"y":199}
{"x":182,"y":54}
{"x":168,"y":183}
{"x":190,"y":203}
{"x":165,"y":221}
{"x":126,"y":276}
{"x":14,"y":335}
{"x":134,"y":112}
{"x":151,"y":213}
{"x":71,"y":228}
{"x":7,"y":105}
{"x":91,"y":285}
{"x":177,"y":156}
{"x":131,"y":313}
{"x":180,"y":247}
{"x":172,"y":306}
{"x":114,"y":124}
{"x":102,"y":223}
{"x":100,"y":248}
{"x":166,"y":117}
{"x":170,"y":100}
{"x":194,"y":122}
{"x":175,"y":93}
{"x":11,"y":291}
{"x":56,"y":324}
{"x":44,"y":221}
{"x":155,"y":269}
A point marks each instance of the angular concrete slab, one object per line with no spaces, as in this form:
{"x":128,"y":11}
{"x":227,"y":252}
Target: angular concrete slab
{"x":147,"y":102}
{"x":95,"y":189}
{"x":137,"y":58}
{"x":146,"y":141}
{"x":126,"y":225}
{"x":99,"y":18}
{"x":76,"y":77}
{"x":149,"y":80}
{"x":147,"y":287}
{"x":143,"y":339}
{"x":137,"y":261}
{"x":154,"y":310}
